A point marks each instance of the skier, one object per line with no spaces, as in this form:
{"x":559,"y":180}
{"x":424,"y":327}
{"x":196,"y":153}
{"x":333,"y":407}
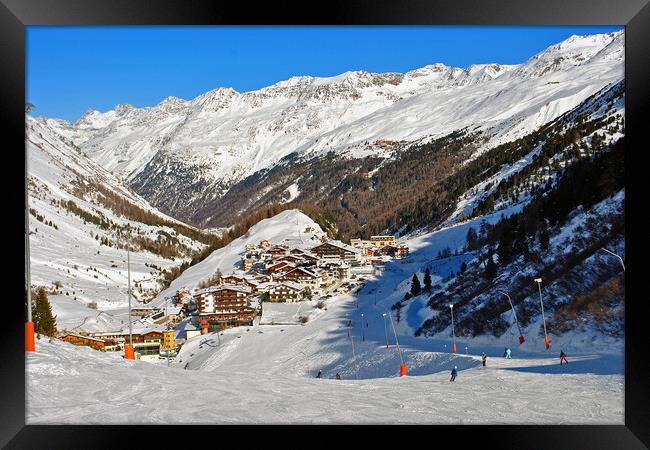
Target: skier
{"x":508,"y":353}
{"x":338,"y":376}
{"x":563,"y":357}
{"x":505,"y":352}
{"x":484,"y":358}
{"x":454,"y":372}
{"x":320,"y":372}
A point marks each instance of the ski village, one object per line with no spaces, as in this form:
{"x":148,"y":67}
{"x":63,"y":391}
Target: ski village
{"x":276,"y":273}
{"x":440,"y":246}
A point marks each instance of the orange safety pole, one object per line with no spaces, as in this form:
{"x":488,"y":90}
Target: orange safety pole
{"x":128,"y":351}
{"x":29,"y":337}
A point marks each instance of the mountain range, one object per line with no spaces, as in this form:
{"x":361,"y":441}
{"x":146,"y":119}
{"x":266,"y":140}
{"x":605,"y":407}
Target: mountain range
{"x":180,"y":155}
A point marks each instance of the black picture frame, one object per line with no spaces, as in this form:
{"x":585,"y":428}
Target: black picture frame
{"x":15,"y":15}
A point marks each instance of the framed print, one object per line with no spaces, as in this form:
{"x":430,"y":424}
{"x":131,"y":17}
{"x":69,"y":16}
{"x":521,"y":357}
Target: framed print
{"x":411,"y":214}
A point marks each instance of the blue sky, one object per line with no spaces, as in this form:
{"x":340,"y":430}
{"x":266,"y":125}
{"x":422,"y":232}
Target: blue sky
{"x":72,"y":69}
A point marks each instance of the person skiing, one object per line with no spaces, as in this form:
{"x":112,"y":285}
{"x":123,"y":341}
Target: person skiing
{"x":338,"y":376}
{"x":320,"y":372}
{"x":563,"y":357}
{"x":484,"y":358}
{"x":454,"y":372}
{"x":508,"y":353}
{"x":505,"y":352}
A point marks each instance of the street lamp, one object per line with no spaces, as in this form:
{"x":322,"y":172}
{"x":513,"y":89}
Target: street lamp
{"x":539,"y":285}
{"x":354,"y":357}
{"x":402,"y":367}
{"x":521,"y":335}
{"x":128,"y":348}
{"x":385,"y":330}
{"x":29,"y":325}
{"x":451,"y":308}
{"x":612,"y":253}
{"x":363,"y":336}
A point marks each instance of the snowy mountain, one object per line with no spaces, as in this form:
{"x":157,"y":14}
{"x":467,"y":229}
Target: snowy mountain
{"x":81,"y":219}
{"x":180,"y":154}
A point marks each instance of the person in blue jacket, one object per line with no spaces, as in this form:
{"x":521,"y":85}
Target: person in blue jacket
{"x":454,"y":372}
{"x":508,"y":354}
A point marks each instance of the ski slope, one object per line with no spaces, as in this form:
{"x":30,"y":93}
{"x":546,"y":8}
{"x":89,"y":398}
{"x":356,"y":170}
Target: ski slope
{"x":268,"y":378}
{"x":266,"y":373}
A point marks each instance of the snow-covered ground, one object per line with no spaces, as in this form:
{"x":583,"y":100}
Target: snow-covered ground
{"x":266,"y":374}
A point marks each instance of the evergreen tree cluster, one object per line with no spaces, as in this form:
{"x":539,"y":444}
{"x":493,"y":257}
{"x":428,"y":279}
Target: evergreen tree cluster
{"x":44,"y":321}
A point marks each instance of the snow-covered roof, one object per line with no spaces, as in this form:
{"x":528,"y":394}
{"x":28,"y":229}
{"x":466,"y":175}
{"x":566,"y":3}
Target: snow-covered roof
{"x":302,"y":269}
{"x":293,"y":285}
{"x":341,"y":245}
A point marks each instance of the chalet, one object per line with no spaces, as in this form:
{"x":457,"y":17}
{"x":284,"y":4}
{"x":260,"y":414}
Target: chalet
{"x":261,"y":278}
{"x":248,"y":263}
{"x":88,"y":341}
{"x":226,"y":318}
{"x":240,"y":280}
{"x":152,"y":335}
{"x":173,"y":312}
{"x":336,"y":249}
{"x":359,"y":243}
{"x":232,"y":279}
{"x":278,"y":250}
{"x":264,"y":243}
{"x":147,"y":350}
{"x":293,"y":259}
{"x":303,"y":276}
{"x":223,"y":296}
{"x":226,"y":307}
{"x":367,"y":251}
{"x":402,"y":251}
{"x":342,"y":271}
{"x":266,"y":287}
{"x":381,"y":241}
{"x":278,"y":266}
{"x":286,"y":291}
{"x":143,"y":311}
{"x":309,"y":259}
{"x":183,"y":297}
{"x":387,"y":250}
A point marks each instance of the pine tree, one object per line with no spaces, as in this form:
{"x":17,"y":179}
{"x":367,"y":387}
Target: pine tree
{"x":490,"y":268}
{"x":463,"y":267}
{"x":427,"y":280}
{"x":471,"y":239}
{"x":416,"y":288}
{"x":544,"y":238}
{"x":44,"y":322}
